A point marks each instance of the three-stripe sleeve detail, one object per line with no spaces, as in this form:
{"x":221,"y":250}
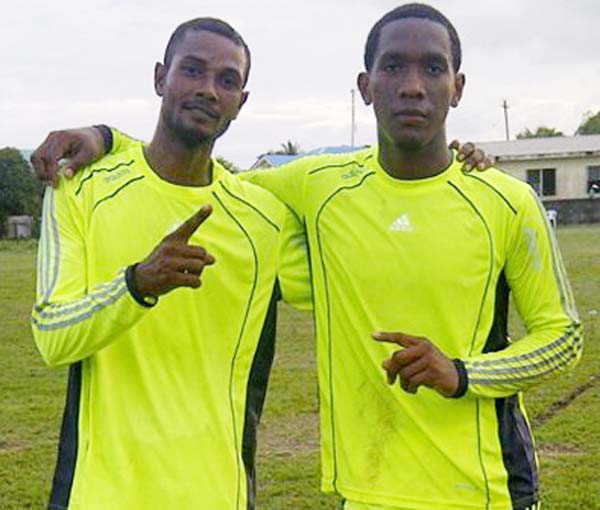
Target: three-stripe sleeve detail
{"x":538,"y":363}
{"x":556,"y":355}
{"x":49,"y":246}
{"x":43,"y":247}
{"x":47,"y":317}
{"x":562,"y":281}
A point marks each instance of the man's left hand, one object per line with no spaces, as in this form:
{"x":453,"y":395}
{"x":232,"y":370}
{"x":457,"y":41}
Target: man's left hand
{"x":420,"y":363}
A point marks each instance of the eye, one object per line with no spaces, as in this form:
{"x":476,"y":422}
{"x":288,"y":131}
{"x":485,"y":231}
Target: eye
{"x":391,"y":68}
{"x":230,"y":81}
{"x":436,"y":68}
{"x":191,"y":69}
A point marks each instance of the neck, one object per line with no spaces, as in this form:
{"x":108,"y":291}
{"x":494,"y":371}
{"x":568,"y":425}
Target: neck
{"x":176,"y":162}
{"x":414,"y":163}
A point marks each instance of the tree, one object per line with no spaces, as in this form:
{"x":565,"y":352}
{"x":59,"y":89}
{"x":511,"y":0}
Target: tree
{"x":289,"y":148}
{"x":20,"y":191}
{"x":540,"y":132}
{"x":590,"y":124}
{"x":228,"y":165}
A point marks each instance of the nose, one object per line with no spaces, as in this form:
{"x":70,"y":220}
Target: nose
{"x":206,"y":88}
{"x":412,"y":85}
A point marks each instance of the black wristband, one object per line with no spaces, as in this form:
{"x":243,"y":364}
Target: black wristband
{"x":147,"y":301}
{"x":107,"y":136}
{"x":463,"y":379}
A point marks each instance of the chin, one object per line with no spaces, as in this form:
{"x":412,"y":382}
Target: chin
{"x":410,"y":143}
{"x":192,"y":137}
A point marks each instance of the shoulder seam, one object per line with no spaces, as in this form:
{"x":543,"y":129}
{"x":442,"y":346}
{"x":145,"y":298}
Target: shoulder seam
{"x":496,"y":190}
{"x":252,"y":206}
{"x":340,"y":165}
{"x":98,"y":170}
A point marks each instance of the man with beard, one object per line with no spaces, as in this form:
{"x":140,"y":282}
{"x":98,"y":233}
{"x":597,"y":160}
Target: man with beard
{"x":166,"y":382}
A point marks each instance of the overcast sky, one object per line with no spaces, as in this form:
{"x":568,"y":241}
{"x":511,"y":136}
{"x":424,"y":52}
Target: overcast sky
{"x":68,"y":63}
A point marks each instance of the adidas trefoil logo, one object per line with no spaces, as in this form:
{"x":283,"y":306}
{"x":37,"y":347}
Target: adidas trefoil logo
{"x":401,"y":224}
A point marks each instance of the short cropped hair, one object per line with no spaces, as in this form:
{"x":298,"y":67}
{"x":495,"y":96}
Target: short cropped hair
{"x":214,"y":25}
{"x":420,"y":11}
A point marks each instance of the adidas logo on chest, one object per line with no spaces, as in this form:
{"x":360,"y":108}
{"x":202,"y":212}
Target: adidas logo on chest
{"x":401,"y":224}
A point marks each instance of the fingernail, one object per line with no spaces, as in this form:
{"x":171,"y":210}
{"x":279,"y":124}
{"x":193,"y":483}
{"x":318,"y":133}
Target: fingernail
{"x":468,"y":167}
{"x":69,"y":173}
{"x":460,"y":157}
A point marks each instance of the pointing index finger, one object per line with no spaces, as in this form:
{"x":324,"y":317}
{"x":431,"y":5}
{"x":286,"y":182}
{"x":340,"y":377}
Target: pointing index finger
{"x":401,"y":339}
{"x":188,"y":227}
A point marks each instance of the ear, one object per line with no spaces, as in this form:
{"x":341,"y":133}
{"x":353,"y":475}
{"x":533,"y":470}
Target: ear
{"x":363,"y":82}
{"x":459,"y":85}
{"x":160,"y":76}
{"x":243,"y":100}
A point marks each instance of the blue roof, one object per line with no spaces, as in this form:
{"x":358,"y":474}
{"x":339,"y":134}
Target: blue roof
{"x":333,"y":150}
{"x":282,"y":159}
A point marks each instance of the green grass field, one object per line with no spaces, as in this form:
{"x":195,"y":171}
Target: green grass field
{"x":565,"y":411}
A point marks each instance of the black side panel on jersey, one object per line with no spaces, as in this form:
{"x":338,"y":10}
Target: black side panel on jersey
{"x":515,"y":437}
{"x":67,"y":446}
{"x":256,"y":392}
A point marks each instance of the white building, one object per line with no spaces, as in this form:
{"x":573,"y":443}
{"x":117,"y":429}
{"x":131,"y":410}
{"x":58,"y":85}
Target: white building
{"x":19,"y":227}
{"x":559,"y":168}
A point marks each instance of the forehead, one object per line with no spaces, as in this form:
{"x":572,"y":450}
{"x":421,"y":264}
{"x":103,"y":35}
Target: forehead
{"x":212,"y":48}
{"x":414,"y":36}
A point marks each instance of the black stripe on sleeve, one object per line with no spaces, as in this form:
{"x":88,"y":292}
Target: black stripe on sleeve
{"x":68,"y":443}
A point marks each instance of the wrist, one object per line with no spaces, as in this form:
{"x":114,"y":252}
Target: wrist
{"x":463,"y":379}
{"x":107,"y":137}
{"x":140,"y":297}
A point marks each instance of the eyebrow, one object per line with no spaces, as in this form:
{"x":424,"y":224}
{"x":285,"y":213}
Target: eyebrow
{"x":430,"y":55}
{"x":204,"y":62}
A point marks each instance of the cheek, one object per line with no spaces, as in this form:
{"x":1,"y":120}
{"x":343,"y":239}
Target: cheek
{"x":382,"y":97}
{"x":231,"y":104}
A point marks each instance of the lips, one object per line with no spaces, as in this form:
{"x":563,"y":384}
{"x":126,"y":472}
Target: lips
{"x":411,"y":112}
{"x":202,"y":108}
{"x":411,"y":117}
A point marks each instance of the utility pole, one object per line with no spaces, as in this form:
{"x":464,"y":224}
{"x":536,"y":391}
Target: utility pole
{"x":353,"y":122}
{"x":505,"y":107}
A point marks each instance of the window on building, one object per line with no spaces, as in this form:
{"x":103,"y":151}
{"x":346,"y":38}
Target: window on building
{"x":543,"y":181}
{"x":593,"y":178}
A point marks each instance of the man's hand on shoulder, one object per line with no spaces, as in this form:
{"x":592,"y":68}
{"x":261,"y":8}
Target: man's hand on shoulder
{"x":472,"y":156}
{"x":419,"y":363}
{"x":69,"y":149}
